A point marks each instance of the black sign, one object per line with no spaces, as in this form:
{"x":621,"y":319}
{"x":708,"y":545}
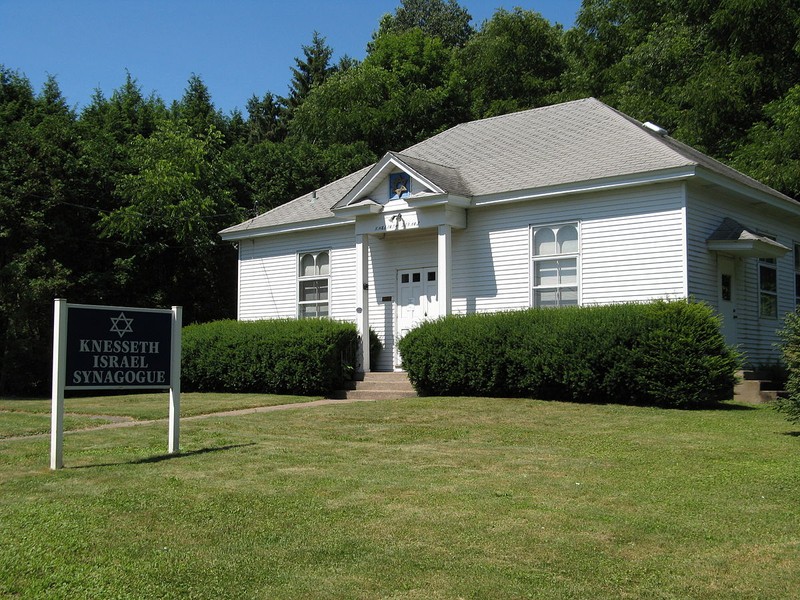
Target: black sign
{"x":118,"y":348}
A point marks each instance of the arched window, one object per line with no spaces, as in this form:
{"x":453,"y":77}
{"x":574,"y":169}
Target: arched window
{"x":314,"y":283}
{"x":554,"y":265}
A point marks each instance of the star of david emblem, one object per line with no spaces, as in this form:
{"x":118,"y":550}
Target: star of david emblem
{"x":121,"y":324}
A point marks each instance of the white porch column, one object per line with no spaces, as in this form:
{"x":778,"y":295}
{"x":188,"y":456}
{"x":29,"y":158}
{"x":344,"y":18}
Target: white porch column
{"x":362,"y":302}
{"x":445,"y":267}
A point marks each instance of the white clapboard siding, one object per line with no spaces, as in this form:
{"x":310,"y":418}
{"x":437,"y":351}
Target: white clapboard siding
{"x":632,"y":248}
{"x":268,"y":273}
{"x":705,"y":211}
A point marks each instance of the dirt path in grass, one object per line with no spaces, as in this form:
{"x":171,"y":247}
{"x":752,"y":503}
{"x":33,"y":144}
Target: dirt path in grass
{"x":118,"y":422}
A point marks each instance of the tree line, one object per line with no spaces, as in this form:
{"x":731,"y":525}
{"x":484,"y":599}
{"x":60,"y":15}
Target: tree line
{"x":120,"y":202}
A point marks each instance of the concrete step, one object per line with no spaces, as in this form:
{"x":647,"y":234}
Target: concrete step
{"x":378,"y":386}
{"x":378,"y":395}
{"x":755,"y":390}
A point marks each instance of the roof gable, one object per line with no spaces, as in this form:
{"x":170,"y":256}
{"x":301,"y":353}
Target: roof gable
{"x":431,"y":179}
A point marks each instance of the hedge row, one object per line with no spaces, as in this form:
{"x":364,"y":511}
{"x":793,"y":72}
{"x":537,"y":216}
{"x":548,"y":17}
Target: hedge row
{"x":309,"y":356}
{"x":663,"y":353}
{"x":790,"y":349}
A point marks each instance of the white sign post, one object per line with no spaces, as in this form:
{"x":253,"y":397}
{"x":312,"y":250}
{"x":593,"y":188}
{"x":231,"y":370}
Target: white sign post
{"x":119,"y":348}
{"x":59,"y":369}
{"x":175,"y":378}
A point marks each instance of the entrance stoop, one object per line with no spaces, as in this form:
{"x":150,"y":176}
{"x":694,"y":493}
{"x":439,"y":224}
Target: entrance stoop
{"x":379,"y":386}
{"x":756,"y":388}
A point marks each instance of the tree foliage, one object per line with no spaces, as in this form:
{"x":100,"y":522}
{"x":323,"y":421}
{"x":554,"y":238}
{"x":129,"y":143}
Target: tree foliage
{"x":514,"y":62}
{"x":448,"y":21}
{"x":37,"y":171}
{"x":403,"y":92}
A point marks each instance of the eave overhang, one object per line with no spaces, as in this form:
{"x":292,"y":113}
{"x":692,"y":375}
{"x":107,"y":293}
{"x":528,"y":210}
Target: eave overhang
{"x":748,"y":248}
{"x":245,"y":234}
{"x":770,"y":198}
{"x":366,"y":207}
{"x":737,"y":240}
{"x":590,"y":185}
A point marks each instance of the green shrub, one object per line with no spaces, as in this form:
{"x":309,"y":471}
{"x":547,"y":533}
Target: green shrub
{"x":375,"y":347}
{"x":663,"y":353}
{"x":277,"y":356}
{"x":790,"y":350}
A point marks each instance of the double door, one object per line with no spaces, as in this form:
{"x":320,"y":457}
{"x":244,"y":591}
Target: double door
{"x":417,"y":301}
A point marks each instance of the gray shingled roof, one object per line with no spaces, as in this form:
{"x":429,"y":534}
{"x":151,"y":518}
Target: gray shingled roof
{"x":305,"y":208}
{"x":554,"y":145}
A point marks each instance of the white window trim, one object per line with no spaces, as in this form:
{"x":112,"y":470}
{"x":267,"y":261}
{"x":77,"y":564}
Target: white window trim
{"x":300,"y":278}
{"x":770,"y":263}
{"x":532,"y":259}
{"x":796,"y":265}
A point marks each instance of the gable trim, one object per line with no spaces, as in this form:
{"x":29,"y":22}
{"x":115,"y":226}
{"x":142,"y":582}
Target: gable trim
{"x":383,"y":167}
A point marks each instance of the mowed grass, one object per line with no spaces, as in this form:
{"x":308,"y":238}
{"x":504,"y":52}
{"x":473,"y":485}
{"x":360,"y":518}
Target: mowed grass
{"x":419,"y":498}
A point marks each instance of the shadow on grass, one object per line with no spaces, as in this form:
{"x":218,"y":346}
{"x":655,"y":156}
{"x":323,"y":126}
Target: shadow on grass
{"x":792,"y":433}
{"x":726,"y":405}
{"x":162,"y":457}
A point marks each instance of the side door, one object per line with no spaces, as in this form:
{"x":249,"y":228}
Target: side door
{"x":726,"y":303}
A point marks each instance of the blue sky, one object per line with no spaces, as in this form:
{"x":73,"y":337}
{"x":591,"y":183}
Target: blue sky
{"x":238,"y":47}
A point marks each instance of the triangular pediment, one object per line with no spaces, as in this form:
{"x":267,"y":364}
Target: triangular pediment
{"x":398,"y":177}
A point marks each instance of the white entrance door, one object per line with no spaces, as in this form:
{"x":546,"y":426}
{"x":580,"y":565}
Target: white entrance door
{"x":417,"y":301}
{"x":726,"y":282}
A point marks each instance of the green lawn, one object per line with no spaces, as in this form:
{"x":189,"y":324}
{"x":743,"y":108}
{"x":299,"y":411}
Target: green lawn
{"x":140,"y":407}
{"x":420,"y":498}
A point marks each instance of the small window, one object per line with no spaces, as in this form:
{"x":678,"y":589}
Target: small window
{"x":313,"y":284}
{"x":416,"y":277}
{"x":768,"y":288}
{"x":768,"y":285}
{"x":404,"y":278}
{"x":431,"y":275}
{"x":797,"y":275}
{"x":554,"y":267}
{"x":727,"y":293}
{"x":399,"y":186}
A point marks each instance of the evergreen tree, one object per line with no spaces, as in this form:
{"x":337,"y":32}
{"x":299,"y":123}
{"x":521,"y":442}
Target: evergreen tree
{"x":38,"y":163}
{"x":309,"y":72}
{"x":265,"y":119}
{"x":197,"y":109}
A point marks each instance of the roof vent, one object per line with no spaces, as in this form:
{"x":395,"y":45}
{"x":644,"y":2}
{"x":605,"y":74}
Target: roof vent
{"x":656,"y":129}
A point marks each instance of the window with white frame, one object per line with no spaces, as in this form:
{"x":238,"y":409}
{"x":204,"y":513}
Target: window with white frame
{"x":554,"y":268}
{"x":768,"y":288}
{"x":313,"y":283}
{"x":797,"y":274}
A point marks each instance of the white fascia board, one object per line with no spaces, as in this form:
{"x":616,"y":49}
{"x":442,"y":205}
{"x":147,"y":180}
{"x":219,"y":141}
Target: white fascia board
{"x":748,"y":248}
{"x":362,"y":208}
{"x":286,"y":228}
{"x":774,"y":200}
{"x":592,"y":185}
{"x":436,"y":200}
